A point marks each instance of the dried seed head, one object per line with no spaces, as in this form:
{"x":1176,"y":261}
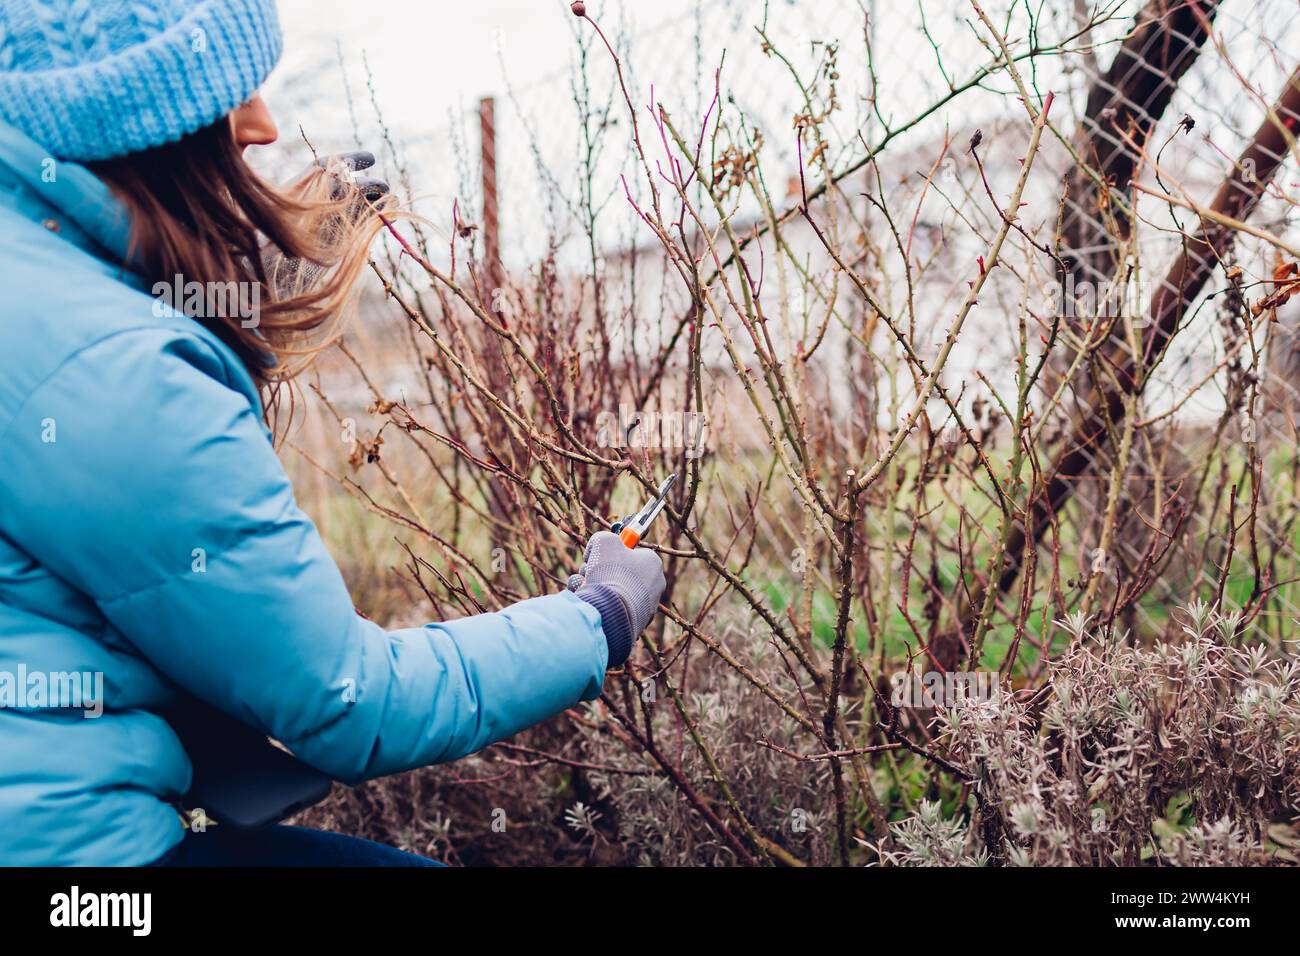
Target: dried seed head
{"x":579,"y":8}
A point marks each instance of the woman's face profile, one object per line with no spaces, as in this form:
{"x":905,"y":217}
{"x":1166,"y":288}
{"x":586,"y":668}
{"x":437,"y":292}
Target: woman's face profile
{"x":252,"y":124}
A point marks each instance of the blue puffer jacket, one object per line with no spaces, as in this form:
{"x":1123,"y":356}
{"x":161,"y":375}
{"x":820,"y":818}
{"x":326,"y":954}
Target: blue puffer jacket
{"x":129,"y":441}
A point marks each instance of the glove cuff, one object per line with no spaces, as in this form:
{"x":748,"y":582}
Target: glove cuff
{"x":614,"y":620}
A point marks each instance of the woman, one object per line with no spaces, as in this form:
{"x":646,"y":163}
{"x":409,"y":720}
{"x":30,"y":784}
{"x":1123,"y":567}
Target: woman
{"x":148,"y":533}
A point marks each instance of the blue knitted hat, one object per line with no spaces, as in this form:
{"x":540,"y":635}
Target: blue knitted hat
{"x":94,"y":79}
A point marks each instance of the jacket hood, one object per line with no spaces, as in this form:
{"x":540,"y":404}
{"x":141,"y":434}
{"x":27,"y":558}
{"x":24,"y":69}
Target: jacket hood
{"x":64,"y":196}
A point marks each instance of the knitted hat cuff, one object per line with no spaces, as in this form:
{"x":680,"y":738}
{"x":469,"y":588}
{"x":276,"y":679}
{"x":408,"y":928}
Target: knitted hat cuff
{"x":158,"y":91}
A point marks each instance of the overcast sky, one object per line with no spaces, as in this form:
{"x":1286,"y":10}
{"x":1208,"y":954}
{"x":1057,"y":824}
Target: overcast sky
{"x":431,"y":60}
{"x":430,"y":56}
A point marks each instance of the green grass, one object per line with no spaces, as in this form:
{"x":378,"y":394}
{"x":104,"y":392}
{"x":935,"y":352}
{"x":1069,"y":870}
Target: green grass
{"x":367,"y":547}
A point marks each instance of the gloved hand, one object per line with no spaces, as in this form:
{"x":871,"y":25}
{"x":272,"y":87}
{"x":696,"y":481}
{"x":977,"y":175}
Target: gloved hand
{"x":294,"y":276}
{"x":344,"y":164}
{"x":624,"y":584}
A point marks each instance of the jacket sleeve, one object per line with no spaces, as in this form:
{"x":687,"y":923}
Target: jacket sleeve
{"x":141,"y":478}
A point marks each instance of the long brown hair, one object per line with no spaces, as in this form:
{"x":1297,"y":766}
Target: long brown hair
{"x":200,"y":214}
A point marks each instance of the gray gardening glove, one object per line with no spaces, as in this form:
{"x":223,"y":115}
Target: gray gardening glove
{"x":345,"y":164}
{"x":624,"y":585}
{"x":293,"y":276}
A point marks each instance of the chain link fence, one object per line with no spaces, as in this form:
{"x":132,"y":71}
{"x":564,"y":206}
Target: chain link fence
{"x":1178,"y":107}
{"x":989,"y":310}
{"x":1158,"y":429}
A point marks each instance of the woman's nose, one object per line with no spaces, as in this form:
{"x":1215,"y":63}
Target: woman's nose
{"x":252,"y":124}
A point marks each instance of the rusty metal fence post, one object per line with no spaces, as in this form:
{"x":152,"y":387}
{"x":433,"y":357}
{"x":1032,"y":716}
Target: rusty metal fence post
{"x":491,"y":208}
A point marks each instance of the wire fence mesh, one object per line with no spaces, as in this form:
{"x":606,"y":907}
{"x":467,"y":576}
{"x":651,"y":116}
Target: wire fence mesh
{"x":987,"y":310}
{"x":908,"y":85}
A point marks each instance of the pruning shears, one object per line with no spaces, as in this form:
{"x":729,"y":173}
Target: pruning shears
{"x":633,"y":528}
